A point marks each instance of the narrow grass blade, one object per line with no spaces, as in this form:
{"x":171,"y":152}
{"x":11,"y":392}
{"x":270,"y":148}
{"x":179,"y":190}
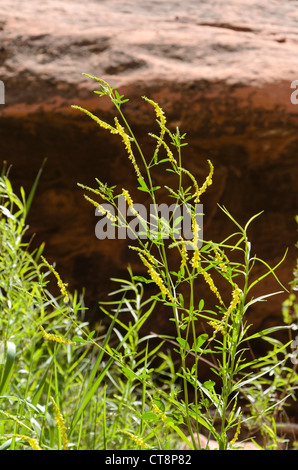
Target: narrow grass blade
{"x":92,"y":386}
{"x":33,"y":189}
{"x":39,"y":391}
{"x":8,"y":367}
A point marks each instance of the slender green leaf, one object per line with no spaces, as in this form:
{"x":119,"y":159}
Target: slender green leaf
{"x":34,"y":187}
{"x":270,"y":271}
{"x":38,"y":393}
{"x":255,"y":377}
{"x":8,"y":366}
{"x":266,"y":332}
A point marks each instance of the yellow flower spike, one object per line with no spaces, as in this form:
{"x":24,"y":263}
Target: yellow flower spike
{"x":161,"y":116}
{"x":223,"y":267}
{"x":96,"y":191}
{"x":33,"y":442}
{"x":138,"y":440}
{"x":195,"y":230}
{"x":61,"y":424}
{"x":217,"y":326}
{"x":127,"y":144}
{"x":62,"y":286}
{"x":118,"y":129}
{"x":195,"y":261}
{"x":134,"y":212}
{"x":8,"y":415}
{"x":184,"y":254}
{"x":96,"y":204}
{"x":167,"y":148}
{"x":101,"y":123}
{"x":56,"y":338}
{"x":191,"y":176}
{"x":219,"y":260}
{"x":169,"y":153}
{"x":211,"y":284}
{"x":101,"y":209}
{"x":146,"y":253}
{"x":129,"y":201}
{"x":183,"y":251}
{"x":236,"y":295}
{"x":237,"y":432}
{"x":156,"y":278}
{"x":158,"y":111}
{"x":157,"y":411}
{"x":207,"y":183}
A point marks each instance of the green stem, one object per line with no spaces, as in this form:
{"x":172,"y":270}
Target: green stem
{"x":230,"y":351}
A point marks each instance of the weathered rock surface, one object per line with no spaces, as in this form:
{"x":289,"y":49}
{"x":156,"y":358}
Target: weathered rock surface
{"x":210,"y":444}
{"x":222,"y":73}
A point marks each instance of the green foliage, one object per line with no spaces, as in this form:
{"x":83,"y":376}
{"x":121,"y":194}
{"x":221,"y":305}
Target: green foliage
{"x":29,"y":370}
{"x":50,"y":359}
{"x":67,"y":385}
{"x":290,"y":305}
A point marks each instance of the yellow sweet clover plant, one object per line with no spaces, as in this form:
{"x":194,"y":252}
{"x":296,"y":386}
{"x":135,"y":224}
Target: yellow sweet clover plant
{"x":201,"y":262}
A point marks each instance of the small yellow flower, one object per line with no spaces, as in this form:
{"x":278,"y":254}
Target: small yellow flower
{"x":223,"y":267}
{"x":196,"y":256}
{"x":169,"y":153}
{"x":128,"y":199}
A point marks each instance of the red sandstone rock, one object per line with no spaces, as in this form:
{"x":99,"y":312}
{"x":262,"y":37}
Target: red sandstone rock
{"x":245,"y":42}
{"x":211,"y":444}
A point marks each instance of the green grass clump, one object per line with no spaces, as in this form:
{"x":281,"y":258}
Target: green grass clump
{"x":61,"y":385}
